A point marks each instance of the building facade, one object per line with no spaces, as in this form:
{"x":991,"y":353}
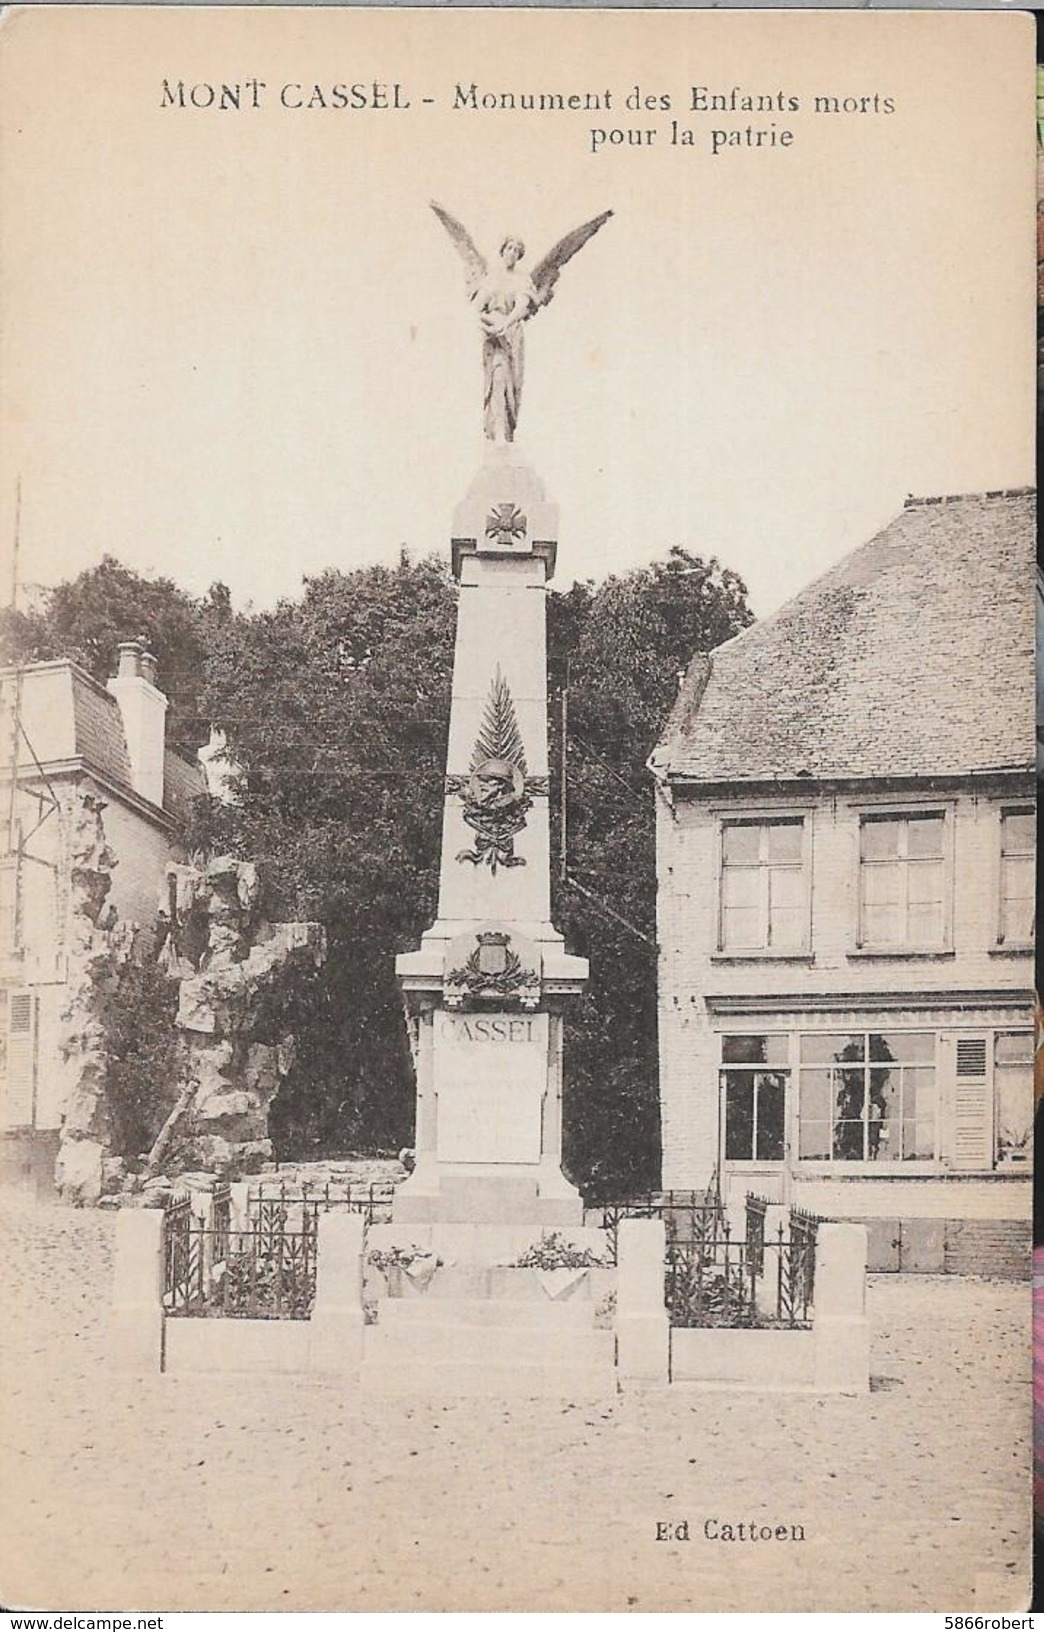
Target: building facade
{"x":68,"y":744}
{"x":846,"y":896}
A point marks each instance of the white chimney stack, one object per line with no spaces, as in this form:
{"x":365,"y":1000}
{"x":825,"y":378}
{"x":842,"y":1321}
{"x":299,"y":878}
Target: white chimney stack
{"x":143,"y":708}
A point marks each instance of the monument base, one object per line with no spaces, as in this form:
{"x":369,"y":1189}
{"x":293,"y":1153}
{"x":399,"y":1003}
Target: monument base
{"x":489,"y":1195}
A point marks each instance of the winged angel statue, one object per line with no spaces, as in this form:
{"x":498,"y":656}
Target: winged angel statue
{"x":505,"y":297}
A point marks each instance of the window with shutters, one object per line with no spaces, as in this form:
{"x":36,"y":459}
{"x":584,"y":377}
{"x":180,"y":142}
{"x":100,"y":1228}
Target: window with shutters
{"x":903,"y":881}
{"x":18,"y":1059}
{"x":764,"y":895}
{"x":868,"y":1097}
{"x":972,"y":1105}
{"x":1017,"y":877}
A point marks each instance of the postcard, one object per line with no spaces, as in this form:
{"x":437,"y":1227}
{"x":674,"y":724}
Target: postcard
{"x":518,"y":809}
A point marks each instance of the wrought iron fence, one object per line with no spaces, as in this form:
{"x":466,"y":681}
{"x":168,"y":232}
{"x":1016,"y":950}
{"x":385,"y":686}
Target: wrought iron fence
{"x":715,"y":1278}
{"x":372,"y":1201}
{"x":711,"y":1285}
{"x":264,"y":1272}
{"x":800,"y":1280}
{"x":690,"y":1216}
{"x":756,"y":1209}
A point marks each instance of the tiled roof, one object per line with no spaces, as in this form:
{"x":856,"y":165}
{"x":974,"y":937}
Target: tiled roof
{"x":182,"y":783}
{"x":913,"y":657}
{"x":98,"y":728}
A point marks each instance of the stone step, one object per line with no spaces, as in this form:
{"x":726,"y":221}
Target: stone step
{"x":479,"y":1378}
{"x":573,"y":1314}
{"x":457,"y":1343}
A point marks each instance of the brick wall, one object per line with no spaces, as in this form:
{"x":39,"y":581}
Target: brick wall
{"x":1002,"y":1248}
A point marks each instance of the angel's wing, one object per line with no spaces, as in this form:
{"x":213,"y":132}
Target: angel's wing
{"x":474,"y":263}
{"x":545,"y":274}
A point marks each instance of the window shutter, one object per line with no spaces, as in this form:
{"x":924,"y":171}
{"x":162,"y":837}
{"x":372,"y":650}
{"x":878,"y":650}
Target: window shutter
{"x":20,"y":1096}
{"x":973,"y":1106}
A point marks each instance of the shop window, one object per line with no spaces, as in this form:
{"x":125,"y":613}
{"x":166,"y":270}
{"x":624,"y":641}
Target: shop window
{"x":868,"y":1097}
{"x":754,"y":1085}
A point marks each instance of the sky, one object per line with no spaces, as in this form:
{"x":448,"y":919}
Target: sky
{"x":236,"y":343}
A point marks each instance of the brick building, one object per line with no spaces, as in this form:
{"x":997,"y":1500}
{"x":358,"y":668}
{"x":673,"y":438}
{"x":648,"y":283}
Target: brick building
{"x":845,"y":840}
{"x":66,"y":736}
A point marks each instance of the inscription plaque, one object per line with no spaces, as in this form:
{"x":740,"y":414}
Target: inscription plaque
{"x":490,"y":1075}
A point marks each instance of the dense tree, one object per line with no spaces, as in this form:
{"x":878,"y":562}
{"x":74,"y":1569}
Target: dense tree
{"x":336,"y":708}
{"x":87,"y":617}
{"x":624,"y":646}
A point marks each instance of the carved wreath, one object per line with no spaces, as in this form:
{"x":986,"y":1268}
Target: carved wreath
{"x":504,"y":983}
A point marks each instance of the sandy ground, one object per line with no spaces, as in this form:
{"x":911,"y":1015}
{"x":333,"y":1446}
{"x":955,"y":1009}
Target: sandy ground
{"x":281,"y":1494}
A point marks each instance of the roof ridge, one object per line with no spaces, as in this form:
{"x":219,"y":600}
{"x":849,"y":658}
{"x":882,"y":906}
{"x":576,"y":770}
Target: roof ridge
{"x":912,"y":501}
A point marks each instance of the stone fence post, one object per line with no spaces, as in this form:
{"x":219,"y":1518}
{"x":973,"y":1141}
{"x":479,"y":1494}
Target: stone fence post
{"x":840,"y":1327}
{"x":643,"y":1333}
{"x":239,"y":1205}
{"x":137,"y":1296}
{"x":337,"y":1319}
{"x":766,"y":1287}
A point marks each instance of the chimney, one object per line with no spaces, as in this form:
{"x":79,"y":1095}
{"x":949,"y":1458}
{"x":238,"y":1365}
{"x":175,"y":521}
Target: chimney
{"x":143,"y":708}
{"x":219,"y":771}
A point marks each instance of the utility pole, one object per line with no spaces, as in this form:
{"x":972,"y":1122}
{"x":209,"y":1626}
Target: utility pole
{"x":564,"y":705}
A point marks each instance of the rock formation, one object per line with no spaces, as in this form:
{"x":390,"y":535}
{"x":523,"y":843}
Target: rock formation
{"x":100,"y":950}
{"x":234,"y":973}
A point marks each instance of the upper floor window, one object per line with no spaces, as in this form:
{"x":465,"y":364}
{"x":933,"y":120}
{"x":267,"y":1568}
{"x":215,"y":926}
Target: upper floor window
{"x":1017,"y":877}
{"x":902,"y":880}
{"x":764,"y":893}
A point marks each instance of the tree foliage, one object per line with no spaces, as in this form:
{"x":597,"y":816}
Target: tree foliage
{"x":624,"y":646}
{"x":335,"y":706}
{"x":87,"y":617}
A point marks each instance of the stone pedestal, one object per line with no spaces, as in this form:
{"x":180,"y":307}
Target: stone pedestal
{"x":137,"y":1320}
{"x":486,"y":989}
{"x":642,"y":1325}
{"x":842,"y":1332}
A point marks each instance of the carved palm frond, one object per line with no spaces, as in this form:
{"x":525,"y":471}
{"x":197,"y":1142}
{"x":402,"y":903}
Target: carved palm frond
{"x":499,"y":736}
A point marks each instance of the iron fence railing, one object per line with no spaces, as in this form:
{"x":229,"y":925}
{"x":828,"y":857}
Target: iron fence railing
{"x":689,"y":1216}
{"x":800,"y":1281}
{"x":264,"y":1272}
{"x":707,"y":1286}
{"x":372,"y":1201}
{"x":713,"y":1276}
{"x":756,"y":1209}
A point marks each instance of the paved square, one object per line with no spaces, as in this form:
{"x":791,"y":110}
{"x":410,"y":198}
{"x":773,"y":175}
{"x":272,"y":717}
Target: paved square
{"x":277,"y":1494}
